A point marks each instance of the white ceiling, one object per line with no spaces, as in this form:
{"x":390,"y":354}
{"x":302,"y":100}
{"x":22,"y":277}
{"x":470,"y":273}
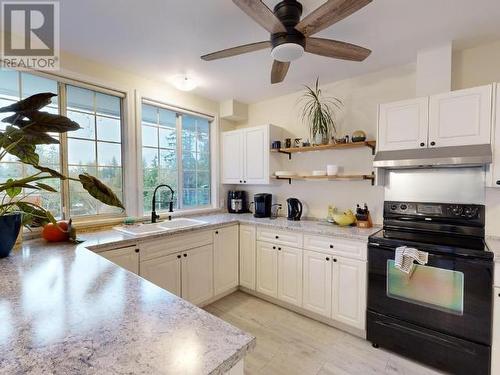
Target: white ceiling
{"x":161,"y":38}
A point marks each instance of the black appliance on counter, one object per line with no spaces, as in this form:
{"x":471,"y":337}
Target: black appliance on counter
{"x":237,"y":202}
{"x":262,"y":205}
{"x":294,"y":209}
{"x":441,"y":314}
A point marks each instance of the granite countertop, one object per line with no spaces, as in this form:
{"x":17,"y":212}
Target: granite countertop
{"x":65,"y":309}
{"x":105,"y":239}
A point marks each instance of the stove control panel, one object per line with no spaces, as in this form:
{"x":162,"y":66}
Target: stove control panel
{"x":436,"y":210}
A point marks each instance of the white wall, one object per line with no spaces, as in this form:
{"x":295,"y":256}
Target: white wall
{"x":361,"y":97}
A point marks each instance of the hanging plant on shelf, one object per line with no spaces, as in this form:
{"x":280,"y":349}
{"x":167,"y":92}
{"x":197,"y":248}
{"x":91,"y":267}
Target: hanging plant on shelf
{"x":29,"y":127}
{"x":318,"y":112}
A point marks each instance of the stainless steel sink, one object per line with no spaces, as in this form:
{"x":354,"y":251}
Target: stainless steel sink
{"x":153,"y":228}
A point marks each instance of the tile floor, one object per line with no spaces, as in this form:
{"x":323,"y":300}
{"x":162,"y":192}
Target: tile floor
{"x":289,"y":343}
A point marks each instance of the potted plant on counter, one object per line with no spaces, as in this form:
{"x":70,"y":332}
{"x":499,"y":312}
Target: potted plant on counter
{"x":29,"y":127}
{"x":319,"y":113}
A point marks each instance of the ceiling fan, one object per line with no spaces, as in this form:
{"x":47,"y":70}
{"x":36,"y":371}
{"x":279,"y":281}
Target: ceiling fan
{"x":291,"y":36}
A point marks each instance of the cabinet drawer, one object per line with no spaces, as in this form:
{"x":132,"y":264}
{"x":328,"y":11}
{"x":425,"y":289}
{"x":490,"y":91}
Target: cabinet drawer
{"x":280,"y":237}
{"x":342,"y":247}
{"x":497,"y":274}
{"x":169,"y":245}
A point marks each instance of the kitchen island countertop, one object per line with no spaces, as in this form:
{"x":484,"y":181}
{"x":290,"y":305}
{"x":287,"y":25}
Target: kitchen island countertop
{"x":66,"y":310}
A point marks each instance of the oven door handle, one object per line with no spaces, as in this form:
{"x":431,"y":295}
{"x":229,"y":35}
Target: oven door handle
{"x":415,"y":332}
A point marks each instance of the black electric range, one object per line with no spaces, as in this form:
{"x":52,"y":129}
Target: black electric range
{"x":440,"y":315}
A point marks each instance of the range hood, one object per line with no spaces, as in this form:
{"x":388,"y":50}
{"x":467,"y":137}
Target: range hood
{"x":456,"y":156}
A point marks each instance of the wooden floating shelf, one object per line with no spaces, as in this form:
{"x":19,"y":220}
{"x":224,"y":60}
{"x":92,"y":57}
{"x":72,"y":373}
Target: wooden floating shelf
{"x":335,"y":146}
{"x":353,"y":177}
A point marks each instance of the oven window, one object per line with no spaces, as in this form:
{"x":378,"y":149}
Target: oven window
{"x":431,"y":287}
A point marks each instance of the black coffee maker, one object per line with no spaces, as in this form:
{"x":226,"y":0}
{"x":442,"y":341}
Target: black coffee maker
{"x":262,"y":204}
{"x":294,"y":209}
{"x":237,"y":202}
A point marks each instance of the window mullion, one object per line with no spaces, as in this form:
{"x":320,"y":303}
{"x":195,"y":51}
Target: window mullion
{"x":180,"y":172}
{"x":63,"y":151}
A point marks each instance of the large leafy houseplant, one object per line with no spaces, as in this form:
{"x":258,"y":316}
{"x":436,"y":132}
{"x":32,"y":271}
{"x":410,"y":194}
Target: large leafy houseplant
{"x":29,"y":127}
{"x":319,"y":113}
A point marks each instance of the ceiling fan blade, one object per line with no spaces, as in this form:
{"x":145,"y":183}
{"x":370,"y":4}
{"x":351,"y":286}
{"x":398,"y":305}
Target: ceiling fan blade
{"x":336,"y":49}
{"x":329,"y":13}
{"x":261,"y":14}
{"x":280,"y":69}
{"x":236,"y":51}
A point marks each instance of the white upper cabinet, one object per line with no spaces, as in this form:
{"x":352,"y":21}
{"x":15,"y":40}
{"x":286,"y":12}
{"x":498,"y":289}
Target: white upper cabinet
{"x":256,"y":155}
{"x":225,"y":259}
{"x":232,"y":157}
{"x":403,"y":125}
{"x":246,"y":156}
{"x":247,"y":256}
{"x":127,"y":257}
{"x":457,"y":118}
{"x":460,"y":118}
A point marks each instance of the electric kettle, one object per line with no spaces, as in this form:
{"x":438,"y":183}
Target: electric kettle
{"x":294,"y":209}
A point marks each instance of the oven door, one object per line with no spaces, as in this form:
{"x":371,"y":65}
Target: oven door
{"x":450,"y":294}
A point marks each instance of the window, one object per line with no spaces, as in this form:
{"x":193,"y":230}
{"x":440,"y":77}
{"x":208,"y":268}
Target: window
{"x":96,"y":148}
{"x":175,"y":151}
{"x":15,"y":86}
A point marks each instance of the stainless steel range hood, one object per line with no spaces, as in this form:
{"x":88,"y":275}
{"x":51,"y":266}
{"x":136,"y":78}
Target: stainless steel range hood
{"x":456,"y":156}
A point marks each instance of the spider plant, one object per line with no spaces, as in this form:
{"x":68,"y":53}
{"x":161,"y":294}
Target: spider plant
{"x":29,"y":127}
{"x":319,"y":113}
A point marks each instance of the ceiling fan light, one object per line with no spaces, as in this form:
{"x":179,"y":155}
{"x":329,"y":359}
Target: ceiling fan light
{"x":287,"y":52}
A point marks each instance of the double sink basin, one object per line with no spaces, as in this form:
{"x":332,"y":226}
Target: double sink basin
{"x":153,"y":228}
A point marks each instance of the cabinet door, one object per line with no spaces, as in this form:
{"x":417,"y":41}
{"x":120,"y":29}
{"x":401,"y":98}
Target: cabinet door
{"x":460,"y":117}
{"x":317,"y":283}
{"x":232,"y":157}
{"x":127,"y":258}
{"x":197,"y":274}
{"x":290,"y":275}
{"x":256,"y":155}
{"x":495,"y":355}
{"x":247,"y":256}
{"x":403,"y":125}
{"x":164,"y":272}
{"x":225,"y":259}
{"x":349,"y":292}
{"x":267,"y":268}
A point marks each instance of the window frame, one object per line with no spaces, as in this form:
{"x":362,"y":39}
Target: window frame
{"x":213,"y":131}
{"x":64,"y":190}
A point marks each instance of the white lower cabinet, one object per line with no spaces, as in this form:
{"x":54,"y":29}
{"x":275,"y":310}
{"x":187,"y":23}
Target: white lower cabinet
{"x":188,"y":274}
{"x":317,"y":283}
{"x":335,"y":287}
{"x":198,"y":274}
{"x":127,"y":257}
{"x":267,"y":269}
{"x":225,"y":259}
{"x":164,"y":272}
{"x":290,"y":275}
{"x":349,"y":292}
{"x":247,"y":256}
{"x":495,"y":355}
